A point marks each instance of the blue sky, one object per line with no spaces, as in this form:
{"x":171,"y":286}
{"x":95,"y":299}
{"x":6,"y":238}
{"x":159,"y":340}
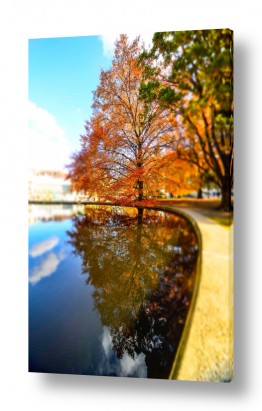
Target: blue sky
{"x":62,"y":73}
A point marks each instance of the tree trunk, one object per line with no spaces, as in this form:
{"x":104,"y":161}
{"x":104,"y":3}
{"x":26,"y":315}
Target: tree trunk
{"x":140,"y":190}
{"x":140,"y":215}
{"x":226,"y":201}
{"x":199,"y":193}
{"x":139,"y":164}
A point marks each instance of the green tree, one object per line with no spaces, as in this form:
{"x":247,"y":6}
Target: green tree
{"x":191,"y":73}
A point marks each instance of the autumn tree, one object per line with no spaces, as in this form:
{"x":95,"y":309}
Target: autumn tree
{"x":191,"y":72}
{"x":123,"y":152}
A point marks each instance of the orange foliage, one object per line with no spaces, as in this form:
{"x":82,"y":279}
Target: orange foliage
{"x":125,"y":155}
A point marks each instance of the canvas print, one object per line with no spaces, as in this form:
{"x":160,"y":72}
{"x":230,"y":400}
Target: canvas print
{"x":131,"y":205}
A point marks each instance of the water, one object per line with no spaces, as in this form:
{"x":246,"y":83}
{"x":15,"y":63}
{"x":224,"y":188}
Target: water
{"x":108,"y":295}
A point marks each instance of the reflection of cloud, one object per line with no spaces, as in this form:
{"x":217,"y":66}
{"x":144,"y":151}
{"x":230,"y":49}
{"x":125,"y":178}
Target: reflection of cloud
{"x":43,"y":247}
{"x":48,"y":145}
{"x":46,"y":267}
{"x":126,"y":366}
{"x":106,"y":341}
{"x":133,"y":367}
{"x":109,"y":39}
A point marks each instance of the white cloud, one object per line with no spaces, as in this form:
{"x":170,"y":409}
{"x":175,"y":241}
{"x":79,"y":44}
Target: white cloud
{"x":109,"y":39}
{"x":41,"y":248}
{"x":49,"y":148}
{"x":46,"y":267}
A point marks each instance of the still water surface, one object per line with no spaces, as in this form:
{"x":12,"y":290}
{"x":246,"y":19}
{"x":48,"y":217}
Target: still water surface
{"x":108,"y":295}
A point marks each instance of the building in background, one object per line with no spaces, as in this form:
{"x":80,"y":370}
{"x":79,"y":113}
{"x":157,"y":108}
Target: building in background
{"x":50,"y":186}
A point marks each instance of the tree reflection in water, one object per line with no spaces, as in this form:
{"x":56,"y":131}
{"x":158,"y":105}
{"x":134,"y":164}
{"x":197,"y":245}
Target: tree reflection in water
{"x":143,"y":275}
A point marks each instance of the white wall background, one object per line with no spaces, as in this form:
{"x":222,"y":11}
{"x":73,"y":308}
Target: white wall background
{"x":20,"y":20}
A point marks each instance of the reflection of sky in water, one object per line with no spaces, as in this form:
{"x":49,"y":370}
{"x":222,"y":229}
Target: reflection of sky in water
{"x":46,"y":267}
{"x":124,"y":367}
{"x":65,"y":333}
{"x":45,"y":261}
{"x":43,"y":246}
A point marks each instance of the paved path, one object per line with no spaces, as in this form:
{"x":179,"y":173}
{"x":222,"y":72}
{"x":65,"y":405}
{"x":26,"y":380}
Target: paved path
{"x":208,"y":353}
